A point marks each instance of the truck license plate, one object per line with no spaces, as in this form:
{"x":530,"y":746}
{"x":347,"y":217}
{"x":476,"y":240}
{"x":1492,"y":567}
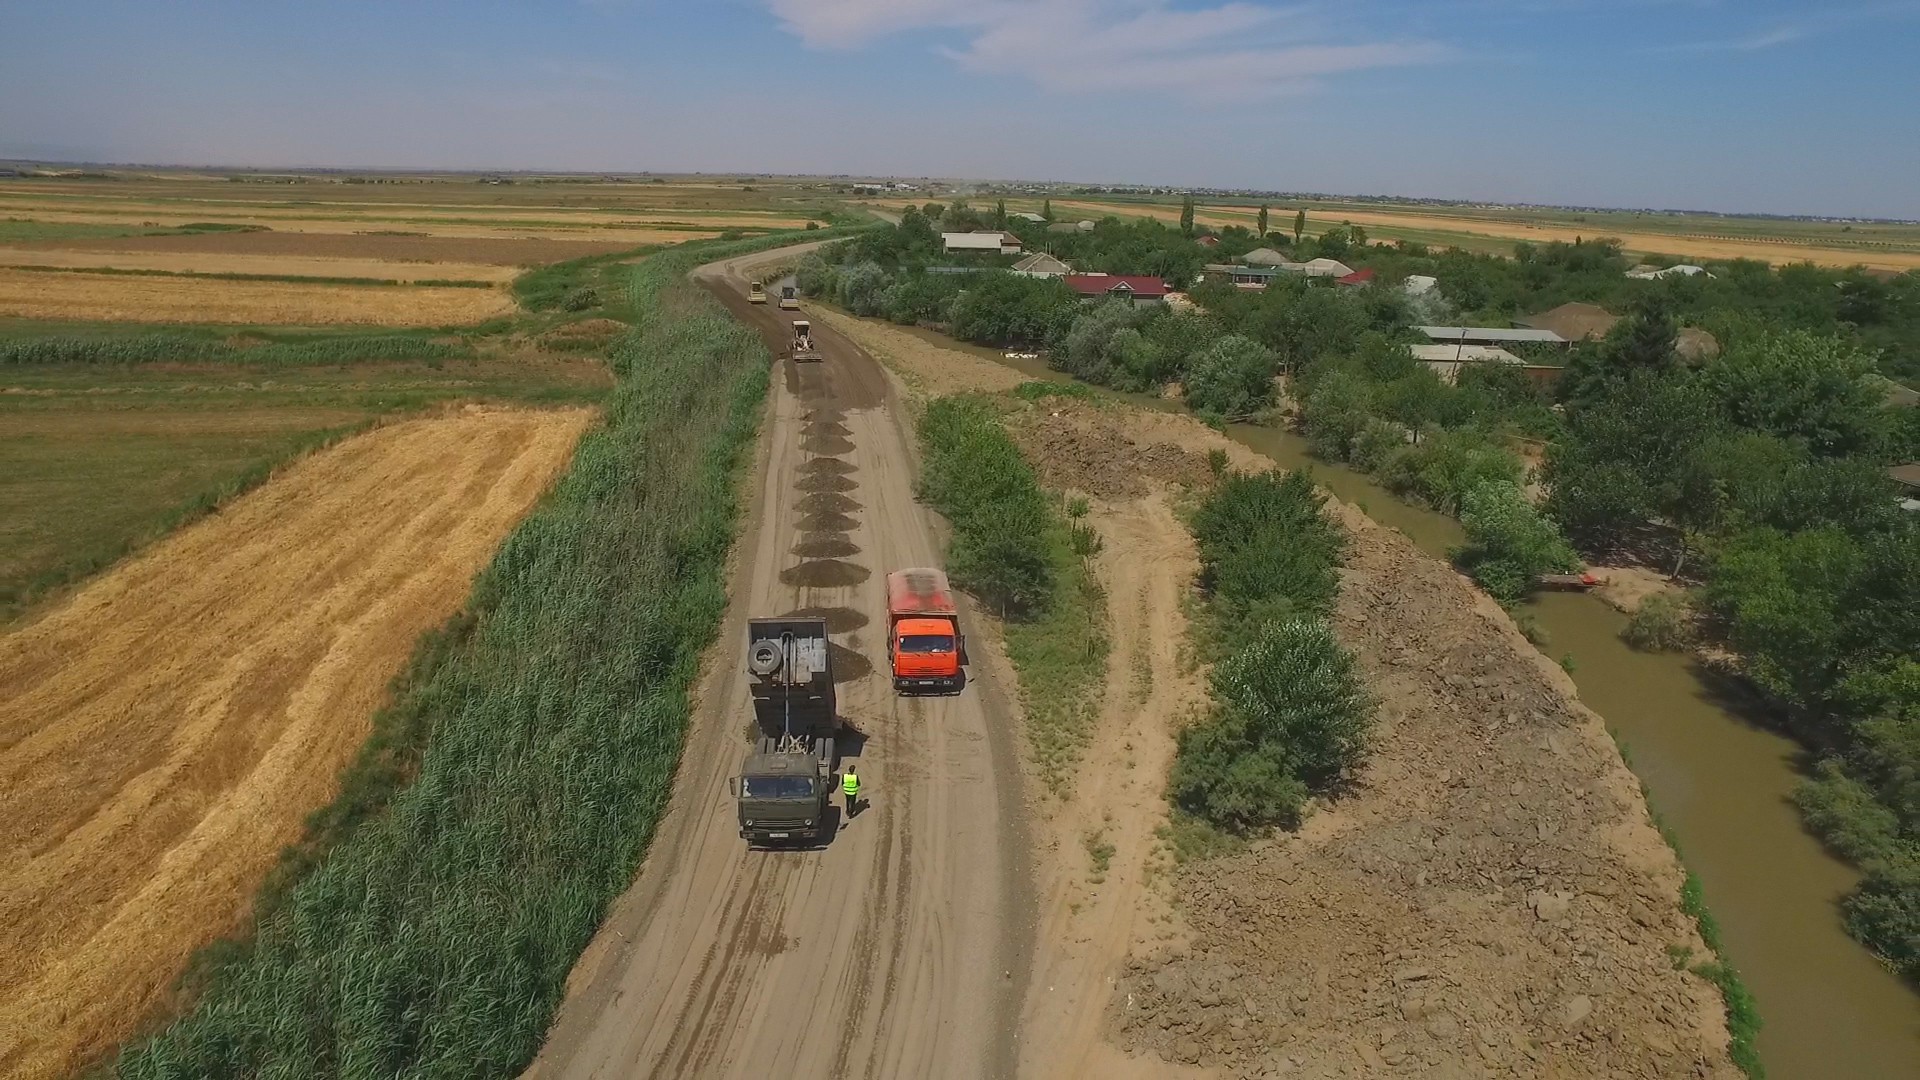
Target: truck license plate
{"x":776,"y":836}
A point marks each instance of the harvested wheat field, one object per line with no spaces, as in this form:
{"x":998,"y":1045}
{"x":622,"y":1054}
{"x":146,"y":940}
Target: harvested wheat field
{"x":37,"y":294}
{"x":189,"y":262}
{"x":387,"y":247}
{"x":164,"y":733}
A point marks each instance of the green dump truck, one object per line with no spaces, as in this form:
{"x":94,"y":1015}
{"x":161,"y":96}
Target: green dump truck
{"x":786,"y":781}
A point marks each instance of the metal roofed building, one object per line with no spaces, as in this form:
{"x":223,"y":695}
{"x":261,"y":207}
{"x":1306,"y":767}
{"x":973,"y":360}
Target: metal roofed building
{"x":1490,"y":335}
{"x":993,"y":240}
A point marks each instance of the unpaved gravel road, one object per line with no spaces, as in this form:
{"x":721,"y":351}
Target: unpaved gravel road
{"x":898,"y":950}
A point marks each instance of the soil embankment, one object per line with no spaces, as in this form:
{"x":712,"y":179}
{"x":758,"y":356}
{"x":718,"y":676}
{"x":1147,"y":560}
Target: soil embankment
{"x":1489,"y":899}
{"x":164,"y":733}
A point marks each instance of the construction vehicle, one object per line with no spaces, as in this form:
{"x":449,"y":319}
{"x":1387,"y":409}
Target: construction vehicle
{"x":789,"y":299}
{"x":924,"y":643}
{"x":784,"y":784}
{"x":803,"y":347}
{"x":756,"y":293}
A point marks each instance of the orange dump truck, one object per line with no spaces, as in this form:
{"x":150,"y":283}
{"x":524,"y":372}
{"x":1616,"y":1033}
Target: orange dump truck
{"x":924,"y":642}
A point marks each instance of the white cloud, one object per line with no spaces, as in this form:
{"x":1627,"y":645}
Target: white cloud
{"x":1233,"y":50}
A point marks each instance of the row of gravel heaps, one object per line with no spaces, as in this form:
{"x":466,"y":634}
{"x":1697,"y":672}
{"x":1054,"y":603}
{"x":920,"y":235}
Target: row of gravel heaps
{"x":1489,"y":897}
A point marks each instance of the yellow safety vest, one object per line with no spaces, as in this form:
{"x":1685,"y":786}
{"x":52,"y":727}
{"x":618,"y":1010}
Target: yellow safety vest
{"x":850,"y":784}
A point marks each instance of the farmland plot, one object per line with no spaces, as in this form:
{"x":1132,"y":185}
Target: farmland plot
{"x":164,"y":733}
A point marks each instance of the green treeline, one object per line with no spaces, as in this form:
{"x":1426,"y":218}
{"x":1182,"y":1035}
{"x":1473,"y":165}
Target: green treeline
{"x":539,"y":734}
{"x":1756,"y":467}
{"x":1289,"y":716}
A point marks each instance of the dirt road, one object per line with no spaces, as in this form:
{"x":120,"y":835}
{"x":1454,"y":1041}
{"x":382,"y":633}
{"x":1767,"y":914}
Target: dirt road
{"x":899,"y":949}
{"x":164,"y":733}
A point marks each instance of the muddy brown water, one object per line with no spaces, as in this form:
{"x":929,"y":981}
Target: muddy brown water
{"x":1720,"y":781}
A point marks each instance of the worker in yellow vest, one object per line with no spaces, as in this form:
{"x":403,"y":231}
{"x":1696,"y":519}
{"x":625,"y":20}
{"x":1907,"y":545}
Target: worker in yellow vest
{"x":850,"y":787}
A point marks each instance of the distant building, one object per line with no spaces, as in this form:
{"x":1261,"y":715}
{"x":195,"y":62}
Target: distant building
{"x":1908,"y":477}
{"x":1245,"y":277}
{"x":1263,"y":257}
{"x":1322,"y":267}
{"x":1040,"y":264}
{"x":1419,"y":284}
{"x":1648,"y":273}
{"x":1447,"y":361}
{"x":1001,"y":243}
{"x":1355,"y":279}
{"x":1029,"y":217}
{"x":1208,"y":241}
{"x":1490,"y":335}
{"x":1070,"y":226}
{"x":1141,"y":289}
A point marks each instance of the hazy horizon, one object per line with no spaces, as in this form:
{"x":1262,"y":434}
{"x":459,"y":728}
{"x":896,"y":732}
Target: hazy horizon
{"x":1765,"y":107}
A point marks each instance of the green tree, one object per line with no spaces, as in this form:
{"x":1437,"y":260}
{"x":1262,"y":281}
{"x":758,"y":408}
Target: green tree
{"x":1290,"y":716}
{"x":1186,"y":216}
{"x":1800,"y":386}
{"x":1046,"y":209}
{"x":1233,"y":378}
{"x":1000,"y":213}
{"x":1260,"y":223}
{"x":1299,"y":224}
{"x":1509,"y":543}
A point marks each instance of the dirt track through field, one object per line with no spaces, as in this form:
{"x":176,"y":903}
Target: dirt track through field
{"x":898,"y":950}
{"x":34,"y":294}
{"x":409,"y":249}
{"x":164,"y":733}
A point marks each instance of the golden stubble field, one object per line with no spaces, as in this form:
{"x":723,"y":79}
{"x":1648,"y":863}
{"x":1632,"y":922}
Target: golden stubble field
{"x":32,"y":294}
{"x":171,"y":229}
{"x":165,"y":731}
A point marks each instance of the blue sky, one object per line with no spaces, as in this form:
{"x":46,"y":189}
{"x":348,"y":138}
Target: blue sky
{"x":1754,"y":105}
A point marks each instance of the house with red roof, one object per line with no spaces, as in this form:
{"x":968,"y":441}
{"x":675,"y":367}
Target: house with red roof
{"x":1139,"y":288}
{"x":1208,"y":241}
{"x":1358,"y":277}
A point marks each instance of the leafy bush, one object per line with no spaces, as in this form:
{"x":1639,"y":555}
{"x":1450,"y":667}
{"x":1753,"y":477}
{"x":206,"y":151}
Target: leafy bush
{"x":1509,"y":543}
{"x":1266,"y":549}
{"x":580,"y":298}
{"x":1289,"y":716}
{"x":974,"y":474}
{"x":1662,"y":623}
{"x":1232,"y":378}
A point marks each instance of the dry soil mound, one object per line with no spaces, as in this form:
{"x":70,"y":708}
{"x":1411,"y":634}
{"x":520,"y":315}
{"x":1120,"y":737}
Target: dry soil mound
{"x":164,"y":733}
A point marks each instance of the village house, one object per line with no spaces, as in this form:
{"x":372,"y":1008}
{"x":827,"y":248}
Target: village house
{"x":1142,"y":290}
{"x":1042,"y":265}
{"x":992,"y":241}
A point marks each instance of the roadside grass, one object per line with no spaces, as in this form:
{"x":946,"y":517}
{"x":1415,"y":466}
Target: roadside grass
{"x":594,"y":284}
{"x":1015,"y":548}
{"x":429,"y":926}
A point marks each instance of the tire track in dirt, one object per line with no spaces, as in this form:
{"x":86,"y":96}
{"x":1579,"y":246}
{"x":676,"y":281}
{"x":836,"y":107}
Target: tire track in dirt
{"x":165,"y":731}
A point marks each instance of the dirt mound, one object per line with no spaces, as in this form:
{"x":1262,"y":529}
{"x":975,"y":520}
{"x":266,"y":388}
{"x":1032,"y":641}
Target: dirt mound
{"x":1490,"y":899}
{"x":1075,"y":448}
{"x":164,"y":733}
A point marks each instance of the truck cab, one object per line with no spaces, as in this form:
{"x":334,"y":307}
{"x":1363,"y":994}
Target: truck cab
{"x":924,"y":644}
{"x":781,"y":796}
{"x":789,"y":298}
